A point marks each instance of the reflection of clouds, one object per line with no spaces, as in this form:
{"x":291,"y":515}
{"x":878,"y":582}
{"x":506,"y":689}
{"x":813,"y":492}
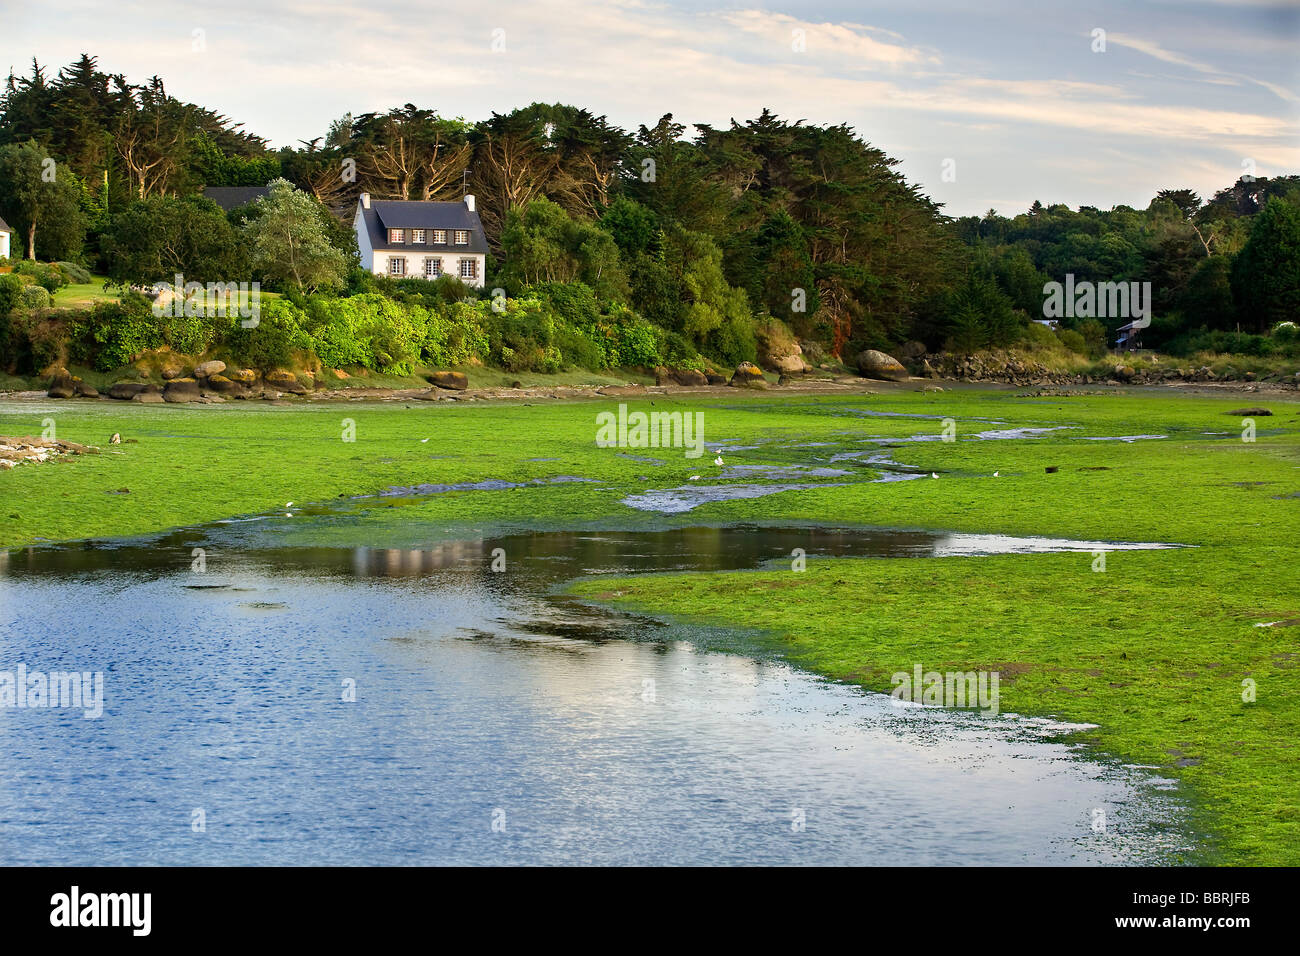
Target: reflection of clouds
{"x":968,"y":545}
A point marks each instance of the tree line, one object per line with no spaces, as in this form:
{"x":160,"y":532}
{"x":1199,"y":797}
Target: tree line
{"x":700,"y":231}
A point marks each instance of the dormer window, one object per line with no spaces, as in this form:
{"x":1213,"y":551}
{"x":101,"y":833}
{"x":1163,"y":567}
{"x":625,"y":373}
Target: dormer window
{"x":440,"y":237}
{"x":396,"y":235}
{"x":417,"y":235}
{"x":462,"y":237}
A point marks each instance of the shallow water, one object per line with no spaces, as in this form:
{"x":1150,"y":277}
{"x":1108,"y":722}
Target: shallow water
{"x":595,"y":737}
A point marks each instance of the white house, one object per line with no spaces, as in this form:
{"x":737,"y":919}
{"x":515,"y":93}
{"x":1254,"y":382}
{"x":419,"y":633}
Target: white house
{"x":422,"y":239}
{"x":6,"y":236}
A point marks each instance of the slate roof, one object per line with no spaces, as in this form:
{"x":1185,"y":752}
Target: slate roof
{"x":232,"y":197}
{"x":4,"y":226}
{"x":385,"y":214}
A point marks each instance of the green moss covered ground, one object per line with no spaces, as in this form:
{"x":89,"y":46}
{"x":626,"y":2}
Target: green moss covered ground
{"x":1154,"y":650}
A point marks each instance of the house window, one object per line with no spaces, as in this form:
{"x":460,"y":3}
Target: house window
{"x":432,"y":268}
{"x":469,"y":268}
{"x":462,"y":237}
{"x":397,"y":266}
{"x":396,"y":235}
{"x":417,"y":235}
{"x":440,"y":237}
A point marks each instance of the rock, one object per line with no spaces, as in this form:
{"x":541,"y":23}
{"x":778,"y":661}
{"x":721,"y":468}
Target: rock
{"x":173,"y":370}
{"x":1124,"y":373}
{"x":285,"y":382}
{"x":455,"y":381}
{"x":204,"y":369}
{"x":125,"y":391}
{"x":1052,"y":469}
{"x":778,"y":349}
{"x":748,"y":375}
{"x":148,"y":398}
{"x":224,"y":386}
{"x":181,"y":390}
{"x":244,"y":376}
{"x":62,"y":384}
{"x":688,"y":376}
{"x":618,"y":391}
{"x":878,"y":365}
{"x":912,"y":351}
{"x":1249,"y":411}
{"x":85,"y":390}
{"x":713,"y":378}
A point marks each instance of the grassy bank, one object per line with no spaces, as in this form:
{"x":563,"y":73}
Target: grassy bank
{"x":1154,"y":650}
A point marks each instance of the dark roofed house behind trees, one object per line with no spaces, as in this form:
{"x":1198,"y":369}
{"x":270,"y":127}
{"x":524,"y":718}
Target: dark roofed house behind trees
{"x":232,"y":197}
{"x":422,"y":239}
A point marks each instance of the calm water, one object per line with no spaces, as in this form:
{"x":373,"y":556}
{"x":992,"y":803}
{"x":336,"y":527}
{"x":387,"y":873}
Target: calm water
{"x":594,"y":737}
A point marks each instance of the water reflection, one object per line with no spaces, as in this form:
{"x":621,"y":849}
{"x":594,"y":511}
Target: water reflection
{"x":602,"y":737}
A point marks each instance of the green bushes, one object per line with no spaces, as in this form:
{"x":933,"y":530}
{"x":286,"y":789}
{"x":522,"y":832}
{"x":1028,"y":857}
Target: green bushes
{"x":47,"y":275}
{"x":75,"y":273}
{"x":1236,"y":343}
{"x":554,"y":328}
{"x":114,"y":333}
{"x":32,"y":297}
{"x":272,"y":342}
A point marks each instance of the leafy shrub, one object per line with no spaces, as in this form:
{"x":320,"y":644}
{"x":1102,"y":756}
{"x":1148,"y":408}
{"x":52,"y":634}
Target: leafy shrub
{"x":272,"y":342}
{"x":370,"y":330}
{"x":75,"y":273}
{"x":11,"y":287}
{"x":119,"y":331}
{"x":1217,"y":340}
{"x":1073,"y":341}
{"x":191,"y":334}
{"x":456,"y":337}
{"x":49,"y":277}
{"x":573,"y":302}
{"x":1037,"y":335}
{"x":33,"y":297}
{"x":37,"y":340}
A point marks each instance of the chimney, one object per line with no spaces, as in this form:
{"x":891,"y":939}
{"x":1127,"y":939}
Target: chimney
{"x":469,"y":201}
{"x":365,"y":200}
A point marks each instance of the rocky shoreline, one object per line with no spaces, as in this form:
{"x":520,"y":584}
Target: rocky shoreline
{"x":212,"y":382}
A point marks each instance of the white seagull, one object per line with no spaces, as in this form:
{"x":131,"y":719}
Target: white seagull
{"x":934,"y":474}
{"x":718,"y":461}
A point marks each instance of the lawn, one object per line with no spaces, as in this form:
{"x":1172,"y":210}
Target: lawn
{"x":1154,"y":650}
{"x":82,"y":295}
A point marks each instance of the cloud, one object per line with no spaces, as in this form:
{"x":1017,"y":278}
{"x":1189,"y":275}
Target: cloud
{"x":1213,"y":73}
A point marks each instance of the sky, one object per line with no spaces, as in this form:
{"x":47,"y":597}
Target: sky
{"x":985,"y":103}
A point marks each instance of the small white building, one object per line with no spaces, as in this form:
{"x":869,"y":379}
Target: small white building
{"x":6,"y":237}
{"x":402,"y":238}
